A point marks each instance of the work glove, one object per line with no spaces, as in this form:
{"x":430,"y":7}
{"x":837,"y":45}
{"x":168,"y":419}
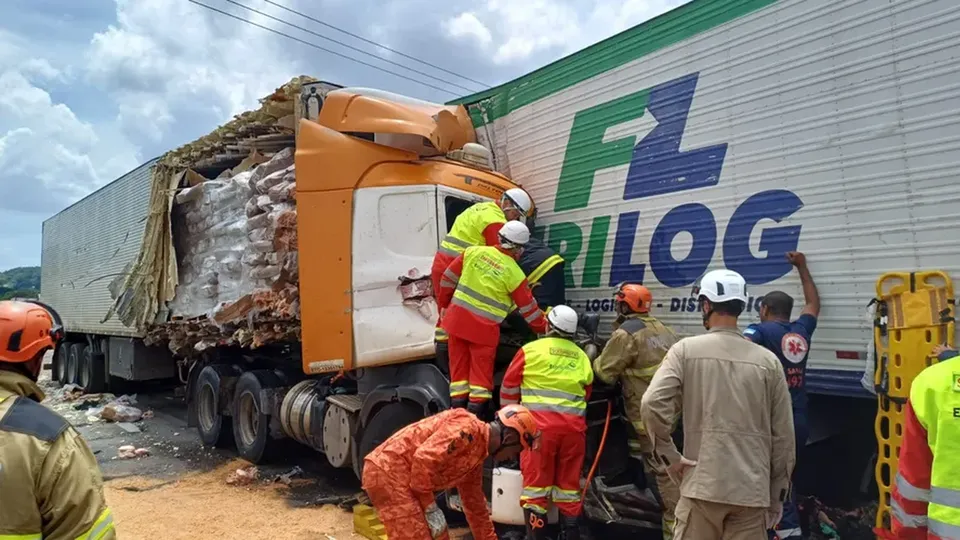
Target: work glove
{"x":435,"y":520}
{"x":774,"y":514}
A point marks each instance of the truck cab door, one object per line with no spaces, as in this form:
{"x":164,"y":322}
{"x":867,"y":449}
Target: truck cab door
{"x":394,"y":236}
{"x":450,"y":203}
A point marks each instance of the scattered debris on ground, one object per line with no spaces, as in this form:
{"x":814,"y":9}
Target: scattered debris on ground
{"x":129,"y":452}
{"x":287,"y":477}
{"x":244,"y":476}
{"x":823,"y":522}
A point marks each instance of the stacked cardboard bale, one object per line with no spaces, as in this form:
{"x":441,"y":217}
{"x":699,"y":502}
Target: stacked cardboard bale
{"x":237,"y":248}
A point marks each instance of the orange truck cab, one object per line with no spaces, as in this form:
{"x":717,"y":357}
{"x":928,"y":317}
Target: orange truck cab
{"x":380,"y":179}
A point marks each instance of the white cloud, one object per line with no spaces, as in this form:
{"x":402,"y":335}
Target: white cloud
{"x":41,"y":70}
{"x":524,"y":30}
{"x":467,"y":25}
{"x":209,"y":64}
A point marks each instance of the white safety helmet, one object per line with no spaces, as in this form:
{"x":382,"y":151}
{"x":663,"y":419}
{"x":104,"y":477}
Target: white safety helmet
{"x":721,"y":286}
{"x":520,"y":200}
{"x":564,"y":319}
{"x":514,"y":234}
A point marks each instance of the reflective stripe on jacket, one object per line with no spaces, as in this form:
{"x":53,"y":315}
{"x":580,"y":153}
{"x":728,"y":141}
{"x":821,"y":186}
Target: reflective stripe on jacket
{"x":926,"y":493}
{"x":477,"y":292}
{"x":469,"y":227}
{"x":50,"y":484}
{"x":552,"y":377}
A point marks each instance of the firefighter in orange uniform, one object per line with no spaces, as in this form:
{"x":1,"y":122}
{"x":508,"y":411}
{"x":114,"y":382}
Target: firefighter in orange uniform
{"x":478,"y":225}
{"x":441,"y":452}
{"x":478,"y":290}
{"x":552,"y":378}
{"x":50,"y":484}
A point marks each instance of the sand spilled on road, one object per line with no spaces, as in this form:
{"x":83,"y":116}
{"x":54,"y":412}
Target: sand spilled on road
{"x":202,"y":505}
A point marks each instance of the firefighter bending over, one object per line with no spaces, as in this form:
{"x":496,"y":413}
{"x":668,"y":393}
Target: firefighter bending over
{"x":552,"y":378}
{"x":440,"y":452}
{"x":632,"y":355}
{"x":50,"y":484}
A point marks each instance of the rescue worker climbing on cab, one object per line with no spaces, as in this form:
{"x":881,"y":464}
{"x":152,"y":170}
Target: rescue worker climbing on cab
{"x":632,"y":355}
{"x":544,"y":269}
{"x":50,"y":484}
{"x":926,"y":493}
{"x":477,"y":291}
{"x":790,"y":341}
{"x":478,"y":225}
{"x":440,"y":452}
{"x":552,"y":378}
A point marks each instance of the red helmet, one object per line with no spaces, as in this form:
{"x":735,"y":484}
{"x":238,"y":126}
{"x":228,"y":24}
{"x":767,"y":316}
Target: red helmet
{"x":27,"y":329}
{"x":636,"y":297}
{"x":519,"y":418}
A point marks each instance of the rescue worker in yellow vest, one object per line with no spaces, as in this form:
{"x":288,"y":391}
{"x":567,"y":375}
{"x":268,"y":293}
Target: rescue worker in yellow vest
{"x":50,"y":485}
{"x":478,"y":225}
{"x":545,"y":274}
{"x":552,"y":378}
{"x":478,"y":290}
{"x":926,"y":494}
{"x":632,"y":355}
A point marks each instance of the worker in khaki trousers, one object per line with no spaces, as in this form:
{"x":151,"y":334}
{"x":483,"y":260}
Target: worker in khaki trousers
{"x":738,"y":435}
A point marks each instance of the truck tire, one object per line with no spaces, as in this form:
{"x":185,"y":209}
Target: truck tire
{"x":251,"y":420}
{"x":213,"y":429}
{"x":92,"y":376}
{"x":60,"y":360}
{"x":385,"y":422}
{"x":74,"y":359}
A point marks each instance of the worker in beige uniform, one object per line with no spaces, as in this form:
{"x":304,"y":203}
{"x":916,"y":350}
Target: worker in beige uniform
{"x":739,"y":448}
{"x":632,"y":355}
{"x":50,"y":484}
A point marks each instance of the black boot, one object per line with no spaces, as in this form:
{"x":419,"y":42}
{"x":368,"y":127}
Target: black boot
{"x":477,"y":408}
{"x":458,"y":403}
{"x":536,"y":524}
{"x":570,"y":527}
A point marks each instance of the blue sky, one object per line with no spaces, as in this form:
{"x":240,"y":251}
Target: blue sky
{"x":89,"y":89}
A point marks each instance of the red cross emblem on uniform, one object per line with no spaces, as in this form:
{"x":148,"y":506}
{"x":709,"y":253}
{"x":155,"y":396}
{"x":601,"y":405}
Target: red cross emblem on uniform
{"x":794,"y":347}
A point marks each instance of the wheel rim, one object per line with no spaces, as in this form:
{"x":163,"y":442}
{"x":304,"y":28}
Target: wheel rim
{"x":248,"y":411}
{"x":207,"y":410}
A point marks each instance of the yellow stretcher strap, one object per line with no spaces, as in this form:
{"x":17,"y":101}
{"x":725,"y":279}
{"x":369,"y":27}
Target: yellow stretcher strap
{"x":915,"y":313}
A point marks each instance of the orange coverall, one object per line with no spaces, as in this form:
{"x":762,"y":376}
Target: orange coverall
{"x":440,"y":452}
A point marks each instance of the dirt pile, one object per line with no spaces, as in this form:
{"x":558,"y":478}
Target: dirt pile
{"x":202,"y":505}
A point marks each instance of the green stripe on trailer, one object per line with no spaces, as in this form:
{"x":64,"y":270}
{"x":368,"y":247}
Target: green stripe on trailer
{"x":660,"y":32}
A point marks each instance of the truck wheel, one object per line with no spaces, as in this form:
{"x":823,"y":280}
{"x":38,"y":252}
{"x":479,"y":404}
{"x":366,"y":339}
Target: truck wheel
{"x":60,"y":361}
{"x":214,"y":431}
{"x":93,"y":377}
{"x":74,"y":360}
{"x":385,"y":422}
{"x":251,"y":419}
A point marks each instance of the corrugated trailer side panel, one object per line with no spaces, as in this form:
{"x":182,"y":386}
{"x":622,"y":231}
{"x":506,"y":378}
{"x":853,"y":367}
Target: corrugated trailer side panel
{"x":87,"y":245}
{"x":725,"y":133}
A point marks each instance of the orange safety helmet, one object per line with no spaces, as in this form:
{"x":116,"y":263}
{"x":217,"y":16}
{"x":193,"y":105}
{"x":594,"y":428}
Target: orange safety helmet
{"x":27,"y":329}
{"x":637,"y":297}
{"x":519,"y":418}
